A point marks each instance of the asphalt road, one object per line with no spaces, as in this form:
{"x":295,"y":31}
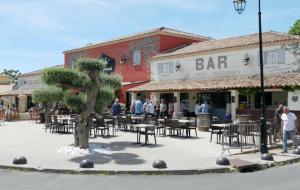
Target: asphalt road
{"x":285,"y":177}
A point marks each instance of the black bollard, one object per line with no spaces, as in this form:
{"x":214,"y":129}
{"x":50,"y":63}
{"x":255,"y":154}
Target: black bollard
{"x":19,"y":160}
{"x":159,"y":164}
{"x":296,"y":151}
{"x":223,"y":161}
{"x":267,"y":157}
{"x":86,"y":164}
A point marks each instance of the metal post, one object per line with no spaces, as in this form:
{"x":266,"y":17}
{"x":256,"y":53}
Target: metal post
{"x":263,"y":129}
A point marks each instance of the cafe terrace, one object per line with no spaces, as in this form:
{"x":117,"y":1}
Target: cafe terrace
{"x":226,"y":73}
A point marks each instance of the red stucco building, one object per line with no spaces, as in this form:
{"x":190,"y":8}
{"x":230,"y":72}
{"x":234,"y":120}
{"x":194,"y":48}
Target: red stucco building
{"x":129,"y":55}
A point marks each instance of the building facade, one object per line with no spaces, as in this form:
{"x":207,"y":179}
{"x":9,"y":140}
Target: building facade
{"x":20,"y":95}
{"x":5,"y":86}
{"x":226,"y":74}
{"x":130,"y":55}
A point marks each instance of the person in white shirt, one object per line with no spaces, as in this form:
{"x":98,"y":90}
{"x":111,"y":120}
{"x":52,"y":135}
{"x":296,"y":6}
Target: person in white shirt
{"x":145,"y":105}
{"x":150,"y":108}
{"x":289,"y":128}
{"x":197,"y":107}
{"x":162,"y":108}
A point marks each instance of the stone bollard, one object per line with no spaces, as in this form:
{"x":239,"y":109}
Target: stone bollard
{"x":159,"y":164}
{"x":19,"y":160}
{"x":86,"y":163}
{"x":223,"y":161}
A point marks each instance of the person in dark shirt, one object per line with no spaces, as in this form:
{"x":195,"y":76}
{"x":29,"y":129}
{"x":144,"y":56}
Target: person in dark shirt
{"x":116,"y":108}
{"x":277,"y":121}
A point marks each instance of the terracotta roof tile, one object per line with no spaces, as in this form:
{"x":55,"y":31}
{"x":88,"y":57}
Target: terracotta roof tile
{"x":268,"y":37}
{"x":161,"y":30}
{"x":270,"y":81}
{"x":37,"y":72}
{"x":5,"y":88}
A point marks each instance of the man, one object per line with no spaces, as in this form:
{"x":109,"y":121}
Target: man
{"x":162,"y":108}
{"x":145,"y":105}
{"x":116,"y":108}
{"x":277,"y":122}
{"x":204,"y":107}
{"x":197,"y":107}
{"x":138,"y":106}
{"x":150,"y":108}
{"x":289,"y":128}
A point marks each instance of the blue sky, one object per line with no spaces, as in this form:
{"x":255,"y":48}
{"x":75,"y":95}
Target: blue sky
{"x":34,"y":33}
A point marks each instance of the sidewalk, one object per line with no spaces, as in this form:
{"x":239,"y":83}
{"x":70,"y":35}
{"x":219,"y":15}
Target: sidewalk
{"x":50,"y":152}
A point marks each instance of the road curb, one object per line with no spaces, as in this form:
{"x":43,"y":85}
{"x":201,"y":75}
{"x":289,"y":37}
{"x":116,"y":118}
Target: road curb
{"x":79,"y":171}
{"x":111,"y":172}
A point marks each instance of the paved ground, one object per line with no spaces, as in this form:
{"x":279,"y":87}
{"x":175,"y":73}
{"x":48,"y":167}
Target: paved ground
{"x":42,"y":150}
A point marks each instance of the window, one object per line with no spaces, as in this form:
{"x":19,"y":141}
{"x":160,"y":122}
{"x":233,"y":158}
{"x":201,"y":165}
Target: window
{"x":165,"y":68}
{"x":137,"y":57}
{"x":272,"y":58}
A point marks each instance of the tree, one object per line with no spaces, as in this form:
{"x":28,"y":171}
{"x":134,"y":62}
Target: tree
{"x":13,"y":75}
{"x":295,"y":29}
{"x":86,"y":88}
{"x":50,"y":98}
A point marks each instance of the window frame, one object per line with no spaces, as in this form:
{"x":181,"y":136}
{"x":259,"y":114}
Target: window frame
{"x":273,"y":57}
{"x":137,"y":57}
{"x":165,"y":68}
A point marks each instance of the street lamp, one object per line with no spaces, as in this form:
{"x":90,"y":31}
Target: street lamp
{"x":239,"y":6}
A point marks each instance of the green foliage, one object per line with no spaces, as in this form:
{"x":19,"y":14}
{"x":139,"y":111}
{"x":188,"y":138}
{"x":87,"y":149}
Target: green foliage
{"x":66,"y":78}
{"x":74,"y":101}
{"x":295,"y":29}
{"x":104,"y":98}
{"x":13,"y":74}
{"x":48,"y":95}
{"x":247,"y":91}
{"x":291,"y":88}
{"x":113,"y":81}
{"x":90,"y":64}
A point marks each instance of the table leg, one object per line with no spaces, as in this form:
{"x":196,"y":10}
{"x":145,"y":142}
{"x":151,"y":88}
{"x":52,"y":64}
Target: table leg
{"x":137,"y":136}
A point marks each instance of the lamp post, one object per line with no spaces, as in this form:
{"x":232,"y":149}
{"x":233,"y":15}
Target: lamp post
{"x":239,"y":6}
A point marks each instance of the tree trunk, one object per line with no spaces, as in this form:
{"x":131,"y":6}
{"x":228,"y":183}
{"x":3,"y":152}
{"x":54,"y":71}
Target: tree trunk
{"x":48,"y":120}
{"x":83,"y":134}
{"x":76,"y":139}
{"x":87,"y":109}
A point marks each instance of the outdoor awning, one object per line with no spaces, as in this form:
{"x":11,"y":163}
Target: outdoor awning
{"x":17,"y":92}
{"x":5,"y":88}
{"x":225,"y":83}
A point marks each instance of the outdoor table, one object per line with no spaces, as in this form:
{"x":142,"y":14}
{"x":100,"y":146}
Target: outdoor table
{"x":184,"y":121}
{"x":64,"y":120}
{"x":220,"y":125}
{"x":137,"y":118}
{"x":160,"y":120}
{"x":115,"y":116}
{"x":138,"y":130}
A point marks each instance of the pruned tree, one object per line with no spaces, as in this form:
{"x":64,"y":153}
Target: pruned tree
{"x":13,"y":74}
{"x":86,"y":88}
{"x":50,"y":98}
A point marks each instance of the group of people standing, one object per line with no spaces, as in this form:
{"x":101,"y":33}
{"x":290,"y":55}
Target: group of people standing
{"x":201,"y":108}
{"x":150,"y":108}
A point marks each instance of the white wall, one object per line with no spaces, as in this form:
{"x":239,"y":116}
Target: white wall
{"x":294,"y":100}
{"x":32,"y":82}
{"x":234,"y":61}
